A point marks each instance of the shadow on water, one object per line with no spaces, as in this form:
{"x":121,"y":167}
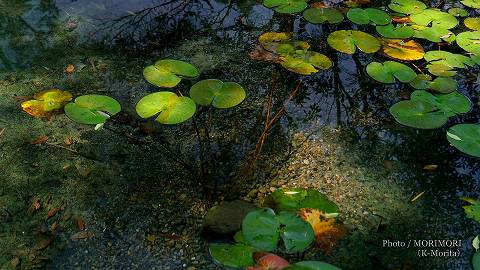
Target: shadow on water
{"x":216,"y":36}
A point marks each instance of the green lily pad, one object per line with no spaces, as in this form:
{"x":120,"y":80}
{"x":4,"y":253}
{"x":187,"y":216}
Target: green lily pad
{"x":472,"y":23}
{"x":260,"y":229}
{"x":306,"y":62}
{"x":286,"y":6}
{"x":407,"y":6}
{"x":466,"y":138}
{"x":473,"y":210}
{"x":170,"y":108}
{"x":237,"y":256}
{"x":292,"y":199}
{"x":368,"y":15}
{"x":92,"y":109}
{"x":469,"y":41}
{"x":433,"y":34}
{"x":418,"y":114}
{"x":471,"y":3}
{"x":347,"y":41}
{"x":458,"y":12}
{"x":448,"y":59}
{"x":217,"y":93}
{"x":389,"y":70}
{"x":434,"y":18}
{"x":442,"y":85}
{"x":322,"y":15}
{"x":311,"y":265}
{"x":399,"y":31}
{"x":296,"y":233}
{"x":169,"y":72}
{"x":441,"y":70}
{"x":428,"y":111}
{"x":476,"y":261}
{"x":450,"y":104}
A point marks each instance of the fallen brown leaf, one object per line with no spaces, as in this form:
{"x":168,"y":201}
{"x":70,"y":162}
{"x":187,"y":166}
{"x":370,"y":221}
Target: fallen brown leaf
{"x":67,"y":141}
{"x":41,"y":140}
{"x":80,"y":223}
{"x":82,"y":235}
{"x":70,"y":69}
{"x":401,"y":19}
{"x":52,"y":212}
{"x":43,"y":243}
{"x":430,"y":167}
{"x":259,"y":53}
{"x":36,"y":204}
{"x":54,"y":227}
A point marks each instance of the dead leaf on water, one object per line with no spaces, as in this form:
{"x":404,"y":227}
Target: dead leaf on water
{"x":80,"y":223}
{"x":46,"y":103}
{"x":259,"y":53}
{"x":70,"y":69}
{"x":403,"y":50}
{"x":82,"y":235}
{"x":43,"y":243}
{"x":430,"y":167}
{"x":67,"y":141}
{"x":41,"y":140}
{"x":327,"y":231}
{"x":52,"y":212}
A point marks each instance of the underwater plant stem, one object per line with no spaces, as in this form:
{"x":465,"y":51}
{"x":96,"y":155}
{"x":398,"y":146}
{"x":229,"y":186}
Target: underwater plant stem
{"x":202,"y":152}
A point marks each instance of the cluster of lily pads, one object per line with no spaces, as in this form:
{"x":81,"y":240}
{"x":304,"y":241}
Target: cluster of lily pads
{"x":263,"y":229}
{"x":172,"y":108}
{"x":472,"y":210}
{"x":435,"y":98}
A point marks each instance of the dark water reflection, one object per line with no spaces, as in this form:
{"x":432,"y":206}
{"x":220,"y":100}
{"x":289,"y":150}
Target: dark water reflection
{"x":343,"y":96}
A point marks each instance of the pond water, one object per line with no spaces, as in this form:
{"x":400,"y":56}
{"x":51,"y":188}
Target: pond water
{"x":127,"y":182}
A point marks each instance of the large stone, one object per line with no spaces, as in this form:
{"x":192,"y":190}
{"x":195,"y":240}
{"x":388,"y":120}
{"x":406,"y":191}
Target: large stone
{"x":227,"y":217}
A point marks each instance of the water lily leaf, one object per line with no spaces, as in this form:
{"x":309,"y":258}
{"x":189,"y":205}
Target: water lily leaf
{"x":471,"y":3}
{"x":260,"y":229}
{"x":472,"y":23}
{"x":443,"y":85}
{"x":473,"y":210}
{"x":476,"y":261}
{"x":46,"y":103}
{"x":322,"y":15}
{"x":171,"y":108}
{"x":296,"y":234}
{"x":434,"y":18}
{"x":347,"y":41}
{"x":389,"y":70}
{"x":407,"y":6}
{"x":217,"y":93}
{"x":269,"y":37}
{"x":291,"y":199}
{"x":418,"y":114}
{"x":469,"y":41}
{"x":237,"y":256}
{"x":169,"y":72}
{"x":281,"y":43}
{"x":368,"y":15}
{"x":448,"y":59}
{"x":433,"y":34}
{"x":311,"y":265}
{"x":458,"y":12}
{"x":466,"y":138}
{"x":306,"y":63}
{"x":92,"y":109}
{"x":450,"y":104}
{"x":403,"y":50}
{"x":441,"y":70}
{"x":399,"y":31}
{"x":286,"y":6}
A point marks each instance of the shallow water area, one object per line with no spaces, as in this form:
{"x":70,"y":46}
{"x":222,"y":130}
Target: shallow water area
{"x":121,"y":198}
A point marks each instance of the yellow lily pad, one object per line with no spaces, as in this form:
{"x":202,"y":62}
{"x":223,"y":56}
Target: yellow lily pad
{"x":403,"y":50}
{"x":46,"y":103}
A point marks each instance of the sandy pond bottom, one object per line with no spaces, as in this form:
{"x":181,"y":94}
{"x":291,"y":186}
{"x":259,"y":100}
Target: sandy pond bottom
{"x":115,"y":203}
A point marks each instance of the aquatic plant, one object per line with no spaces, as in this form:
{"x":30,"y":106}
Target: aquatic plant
{"x":466,"y":138}
{"x":395,"y":31}
{"x":469,"y":41}
{"x":92,"y":109}
{"x":442,"y":85}
{"x":286,"y":6}
{"x":402,"y":50}
{"x":407,"y":6}
{"x":292,"y":199}
{"x":425,"y":110}
{"x":217,"y":93}
{"x":46,"y":103}
{"x":369,"y":15}
{"x":292,"y":54}
{"x":323,"y":15}
{"x":347,"y":41}
{"x":388,"y":71}
{"x":169,"y":72}
{"x":472,"y":23}
{"x":168,"y":107}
